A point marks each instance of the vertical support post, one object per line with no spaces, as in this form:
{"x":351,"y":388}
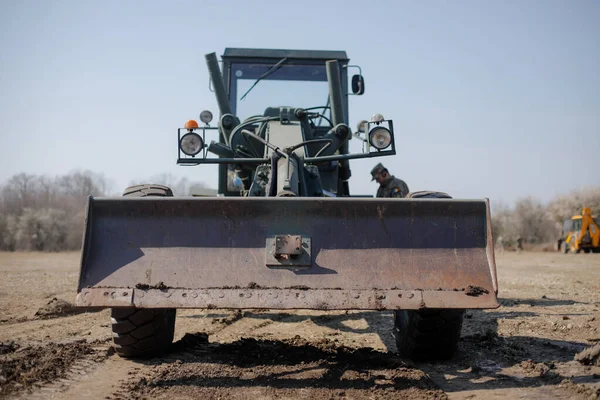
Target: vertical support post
{"x":337,"y":116}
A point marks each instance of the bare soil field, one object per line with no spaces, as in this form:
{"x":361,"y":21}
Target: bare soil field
{"x":542,"y":343}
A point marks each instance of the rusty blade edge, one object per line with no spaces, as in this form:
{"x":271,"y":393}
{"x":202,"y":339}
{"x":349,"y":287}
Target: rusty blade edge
{"x":316,"y":299}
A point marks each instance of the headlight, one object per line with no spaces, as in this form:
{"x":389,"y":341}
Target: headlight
{"x":380,"y":137}
{"x":361,"y":127}
{"x":206,"y":116}
{"x":191,"y":144}
{"x":377,"y":117}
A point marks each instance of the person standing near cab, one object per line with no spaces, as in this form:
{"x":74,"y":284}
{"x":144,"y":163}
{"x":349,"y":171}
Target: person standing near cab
{"x":389,"y":185}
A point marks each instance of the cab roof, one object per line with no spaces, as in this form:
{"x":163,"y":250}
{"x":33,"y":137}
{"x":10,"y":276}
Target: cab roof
{"x":323,"y":55}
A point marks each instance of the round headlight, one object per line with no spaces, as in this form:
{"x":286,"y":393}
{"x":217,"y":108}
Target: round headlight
{"x":191,"y":144}
{"x":362,"y":126}
{"x":377,"y":117}
{"x":206,"y":116}
{"x":380,"y":137}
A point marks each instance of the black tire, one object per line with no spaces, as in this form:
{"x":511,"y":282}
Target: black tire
{"x":572,"y":247}
{"x":148,"y":190}
{"x":427,"y":335}
{"x":143,"y":332}
{"x":431,"y":334}
{"x":586,"y":250}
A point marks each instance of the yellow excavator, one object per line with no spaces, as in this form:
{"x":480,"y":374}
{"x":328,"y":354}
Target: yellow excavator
{"x":580,"y":232}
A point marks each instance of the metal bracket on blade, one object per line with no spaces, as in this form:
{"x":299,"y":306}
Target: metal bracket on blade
{"x":288,"y":251}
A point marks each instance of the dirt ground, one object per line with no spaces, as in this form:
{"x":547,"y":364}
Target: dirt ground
{"x":527,"y":348}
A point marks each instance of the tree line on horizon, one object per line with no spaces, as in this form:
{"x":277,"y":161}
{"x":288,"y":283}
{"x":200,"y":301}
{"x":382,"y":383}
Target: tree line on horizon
{"x":42,"y":213}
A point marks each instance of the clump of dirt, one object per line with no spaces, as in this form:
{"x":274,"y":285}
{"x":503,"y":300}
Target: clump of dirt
{"x":8,"y":347}
{"x":288,"y":368}
{"x":299,"y":287}
{"x":237,"y":315}
{"x":58,"y":308}
{"x":13,"y":320}
{"x":145,"y":286}
{"x":475,"y":291}
{"x":24,"y":367}
{"x":254,"y":285}
{"x":589,"y":356}
{"x":142,"y":286}
{"x":536,"y":369}
{"x":492,"y":343}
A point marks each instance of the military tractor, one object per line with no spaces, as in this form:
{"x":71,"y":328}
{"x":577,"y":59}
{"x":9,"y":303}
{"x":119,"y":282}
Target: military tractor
{"x":284,"y":230}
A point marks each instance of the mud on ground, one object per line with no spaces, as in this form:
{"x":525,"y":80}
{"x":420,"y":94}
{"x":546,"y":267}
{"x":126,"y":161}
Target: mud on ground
{"x":539,"y":344}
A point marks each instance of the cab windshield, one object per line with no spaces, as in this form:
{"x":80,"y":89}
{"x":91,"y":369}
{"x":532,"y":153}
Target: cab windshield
{"x":290,"y":85}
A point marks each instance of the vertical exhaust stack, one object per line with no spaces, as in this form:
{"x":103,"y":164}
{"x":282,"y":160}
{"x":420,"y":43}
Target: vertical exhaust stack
{"x":338,"y":117}
{"x":217,"y":80}
{"x":224,"y":108}
{"x":335,"y":92}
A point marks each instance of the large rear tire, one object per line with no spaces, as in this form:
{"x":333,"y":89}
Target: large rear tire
{"x":143,"y":332}
{"x":427,"y":335}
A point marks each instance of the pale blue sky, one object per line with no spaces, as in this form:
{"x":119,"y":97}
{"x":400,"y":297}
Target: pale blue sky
{"x":489,"y":99}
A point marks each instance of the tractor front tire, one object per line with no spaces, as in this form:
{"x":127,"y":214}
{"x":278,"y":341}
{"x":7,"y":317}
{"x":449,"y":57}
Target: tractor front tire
{"x":143,"y":332}
{"x":427,"y":335}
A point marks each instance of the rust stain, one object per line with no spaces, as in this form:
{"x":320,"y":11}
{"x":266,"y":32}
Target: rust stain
{"x":380,"y":217}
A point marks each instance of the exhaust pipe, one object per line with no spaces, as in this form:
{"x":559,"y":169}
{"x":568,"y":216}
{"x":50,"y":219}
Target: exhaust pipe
{"x":335,"y":93}
{"x":217,"y":80}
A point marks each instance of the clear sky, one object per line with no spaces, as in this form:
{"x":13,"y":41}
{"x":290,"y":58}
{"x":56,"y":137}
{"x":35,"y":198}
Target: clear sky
{"x":489,"y":99}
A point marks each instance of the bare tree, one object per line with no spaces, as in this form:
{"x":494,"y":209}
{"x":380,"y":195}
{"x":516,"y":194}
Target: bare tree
{"x":565,"y":206}
{"x":46,"y":214}
{"x":532,"y":221}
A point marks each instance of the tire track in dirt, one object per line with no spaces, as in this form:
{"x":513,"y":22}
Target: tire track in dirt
{"x":98,"y":381}
{"x":25,"y":370}
{"x":71,"y":378}
{"x":232,"y":328}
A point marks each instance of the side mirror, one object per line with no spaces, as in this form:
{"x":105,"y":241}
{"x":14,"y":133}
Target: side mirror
{"x":358,"y":84}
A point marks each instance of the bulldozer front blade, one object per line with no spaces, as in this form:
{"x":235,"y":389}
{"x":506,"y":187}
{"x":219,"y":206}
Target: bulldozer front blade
{"x":287,"y":253}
